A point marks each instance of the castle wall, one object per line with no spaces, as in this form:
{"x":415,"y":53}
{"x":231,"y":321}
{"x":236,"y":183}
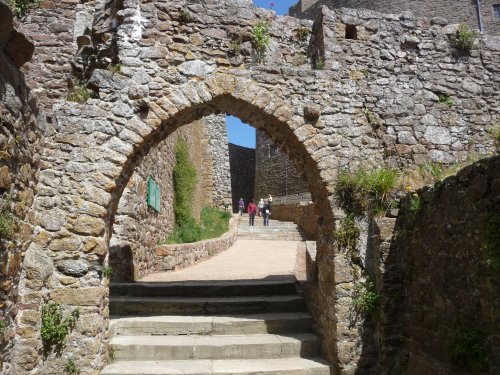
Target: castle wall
{"x":378,"y":104}
{"x":448,"y":286}
{"x":21,"y":144}
{"x":453,"y":11}
{"x":138,"y":229}
{"x":242,"y":161}
{"x":274,"y":173}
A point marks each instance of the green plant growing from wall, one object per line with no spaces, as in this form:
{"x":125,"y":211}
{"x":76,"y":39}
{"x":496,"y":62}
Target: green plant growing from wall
{"x":79,"y":94}
{"x":319,"y":63}
{"x":468,"y":349}
{"x":186,"y":227}
{"x":366,"y":190}
{"x":495,"y":134}
{"x":346,"y":235}
{"x":185,"y":16}
{"x":366,"y":299}
{"x":491,"y":241}
{"x":464,"y":38}
{"x":107,"y":271}
{"x":55,"y":329}
{"x":21,"y":7}
{"x":7,"y":222}
{"x":115,"y":68}
{"x":415,"y":202}
{"x":70,"y":368}
{"x":260,"y":35}
{"x":446,"y":99}
{"x":3,"y":330}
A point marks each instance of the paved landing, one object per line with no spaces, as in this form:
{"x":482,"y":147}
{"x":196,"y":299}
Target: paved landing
{"x":246,"y":259}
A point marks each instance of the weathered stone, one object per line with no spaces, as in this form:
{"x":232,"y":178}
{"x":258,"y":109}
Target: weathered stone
{"x":5,"y":177}
{"x":312,"y":112}
{"x":438,"y":135}
{"x":38,"y":265}
{"x":78,"y":297}
{"x":70,"y":267}
{"x":196,"y":68}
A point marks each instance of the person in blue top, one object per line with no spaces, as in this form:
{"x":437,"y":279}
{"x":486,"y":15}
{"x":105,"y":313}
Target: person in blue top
{"x":241,"y":206}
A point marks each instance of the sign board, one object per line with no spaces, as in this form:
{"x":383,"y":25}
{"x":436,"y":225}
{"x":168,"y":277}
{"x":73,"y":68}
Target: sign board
{"x":153,"y":195}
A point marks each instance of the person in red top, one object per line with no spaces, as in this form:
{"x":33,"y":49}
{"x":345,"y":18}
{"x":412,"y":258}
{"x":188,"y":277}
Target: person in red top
{"x":252,"y":210}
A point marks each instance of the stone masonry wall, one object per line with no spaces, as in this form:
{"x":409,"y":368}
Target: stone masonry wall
{"x":463,"y":11}
{"x":176,"y":69}
{"x":448,"y":285}
{"x":242,"y":161}
{"x":21,"y":142}
{"x":138,"y":228}
{"x":216,"y":169}
{"x":274,"y":173}
{"x":54,"y":27}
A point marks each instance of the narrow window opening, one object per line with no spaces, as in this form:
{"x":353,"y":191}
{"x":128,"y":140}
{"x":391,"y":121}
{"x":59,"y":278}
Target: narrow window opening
{"x":351,"y":32}
{"x":496,"y":11}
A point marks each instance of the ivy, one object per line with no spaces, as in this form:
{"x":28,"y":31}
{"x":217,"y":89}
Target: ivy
{"x":21,"y":7}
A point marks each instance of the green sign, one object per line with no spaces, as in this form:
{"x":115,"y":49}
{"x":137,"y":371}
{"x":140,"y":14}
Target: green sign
{"x":153,"y":195}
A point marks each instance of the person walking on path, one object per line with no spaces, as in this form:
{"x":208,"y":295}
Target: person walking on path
{"x":252,"y":210}
{"x":270,"y":200}
{"x":266,"y":213}
{"x":261,"y":206}
{"x":241,"y":206}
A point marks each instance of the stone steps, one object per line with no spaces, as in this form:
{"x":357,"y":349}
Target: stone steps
{"x":144,"y":348}
{"x":147,"y":306}
{"x":204,"y":288}
{"x":281,"y":366}
{"x":274,"y":323}
{"x":264,"y":332}
{"x":277,"y":230}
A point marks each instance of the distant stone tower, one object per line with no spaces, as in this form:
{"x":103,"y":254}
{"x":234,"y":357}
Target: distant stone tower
{"x":479,"y":14}
{"x":274,"y":173}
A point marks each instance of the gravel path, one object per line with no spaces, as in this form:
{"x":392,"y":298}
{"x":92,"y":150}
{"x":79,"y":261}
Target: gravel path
{"x":246,"y":259}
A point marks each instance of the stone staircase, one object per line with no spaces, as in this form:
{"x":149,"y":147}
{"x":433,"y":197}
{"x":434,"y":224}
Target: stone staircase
{"x":201,"y":328}
{"x":276,"y":231}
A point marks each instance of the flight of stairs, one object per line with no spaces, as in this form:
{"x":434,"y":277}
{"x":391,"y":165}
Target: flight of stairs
{"x":201,"y":328}
{"x":277,"y":230}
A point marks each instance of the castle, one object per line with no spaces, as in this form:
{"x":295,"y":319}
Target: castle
{"x":94,"y":95}
{"x":479,"y":14}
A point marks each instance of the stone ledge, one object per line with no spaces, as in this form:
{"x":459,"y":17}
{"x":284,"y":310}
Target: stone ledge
{"x":175,"y":256}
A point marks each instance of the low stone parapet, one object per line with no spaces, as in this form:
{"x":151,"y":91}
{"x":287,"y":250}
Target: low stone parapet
{"x":175,"y":256}
{"x":300,"y":212}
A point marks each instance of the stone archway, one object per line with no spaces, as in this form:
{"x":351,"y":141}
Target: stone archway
{"x":65,"y":261}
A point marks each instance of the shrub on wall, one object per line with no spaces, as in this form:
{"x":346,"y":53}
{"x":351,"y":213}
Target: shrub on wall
{"x":186,"y":227}
{"x":21,"y":7}
{"x":367,"y":189}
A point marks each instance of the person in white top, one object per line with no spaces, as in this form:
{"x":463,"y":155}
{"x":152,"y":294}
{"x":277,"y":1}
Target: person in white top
{"x":261,"y":206}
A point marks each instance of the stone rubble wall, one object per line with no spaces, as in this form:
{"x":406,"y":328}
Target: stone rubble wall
{"x":54,"y":27}
{"x":177,"y":256}
{"x":138,"y":228}
{"x":216,"y":170}
{"x":21,"y":142}
{"x":242,"y":161}
{"x":447,"y":283}
{"x":176,"y":69}
{"x":453,"y":11}
{"x":301,"y":213}
{"x":274,"y":173}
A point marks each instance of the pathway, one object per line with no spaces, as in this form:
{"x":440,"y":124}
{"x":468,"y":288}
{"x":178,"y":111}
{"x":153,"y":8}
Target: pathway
{"x":238,"y":313}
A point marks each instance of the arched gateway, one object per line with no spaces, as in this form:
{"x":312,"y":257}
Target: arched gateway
{"x":373,"y":97}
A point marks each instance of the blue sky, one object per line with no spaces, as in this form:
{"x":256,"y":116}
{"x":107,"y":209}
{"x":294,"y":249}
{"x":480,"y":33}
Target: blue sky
{"x":238,"y":132}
